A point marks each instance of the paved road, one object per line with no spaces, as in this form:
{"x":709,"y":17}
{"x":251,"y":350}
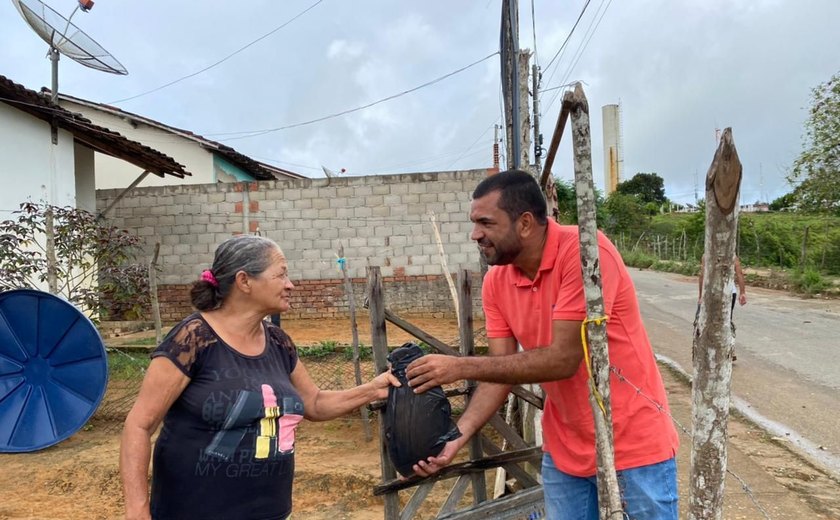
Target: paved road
{"x":788,"y":367}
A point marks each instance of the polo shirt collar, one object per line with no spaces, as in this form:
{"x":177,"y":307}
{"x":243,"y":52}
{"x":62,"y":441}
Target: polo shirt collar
{"x":549,"y":255}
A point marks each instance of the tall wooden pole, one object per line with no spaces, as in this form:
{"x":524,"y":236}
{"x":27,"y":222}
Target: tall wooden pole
{"x":713,"y":340}
{"x":535,"y":96}
{"x":510,"y":80}
{"x":524,"y":134}
{"x":609,"y":497}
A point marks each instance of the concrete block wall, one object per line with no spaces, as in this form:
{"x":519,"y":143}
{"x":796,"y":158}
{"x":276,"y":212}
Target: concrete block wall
{"x":380,"y":221}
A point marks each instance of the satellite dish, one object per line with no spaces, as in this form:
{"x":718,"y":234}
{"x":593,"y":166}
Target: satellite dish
{"x":53,"y":370}
{"x":65,"y":38}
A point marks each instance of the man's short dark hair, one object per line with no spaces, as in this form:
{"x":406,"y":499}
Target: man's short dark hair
{"x":519,"y":193}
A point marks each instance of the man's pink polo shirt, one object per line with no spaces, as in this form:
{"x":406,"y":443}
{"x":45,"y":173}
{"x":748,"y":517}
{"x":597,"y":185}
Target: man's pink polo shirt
{"x":515,"y":306}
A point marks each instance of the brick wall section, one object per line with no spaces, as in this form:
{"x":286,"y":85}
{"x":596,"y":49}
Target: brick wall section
{"x":379,"y":220}
{"x":425,"y":296}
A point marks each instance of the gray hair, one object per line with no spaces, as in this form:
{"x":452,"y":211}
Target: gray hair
{"x":248,"y":253}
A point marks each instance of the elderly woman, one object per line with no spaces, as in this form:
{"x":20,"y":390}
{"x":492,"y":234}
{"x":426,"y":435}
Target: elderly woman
{"x":230,"y":390}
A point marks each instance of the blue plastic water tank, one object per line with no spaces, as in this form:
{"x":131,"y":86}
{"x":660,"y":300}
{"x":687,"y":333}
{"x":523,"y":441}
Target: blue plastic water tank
{"x":53,"y":370}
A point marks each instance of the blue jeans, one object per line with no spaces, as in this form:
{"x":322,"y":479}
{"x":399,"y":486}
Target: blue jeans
{"x":647,"y":492}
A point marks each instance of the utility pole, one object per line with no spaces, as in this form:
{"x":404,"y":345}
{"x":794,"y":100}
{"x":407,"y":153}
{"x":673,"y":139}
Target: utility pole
{"x":496,"y":148}
{"x":535,"y":87}
{"x":696,"y":196}
{"x":525,"y":113}
{"x":510,"y":80}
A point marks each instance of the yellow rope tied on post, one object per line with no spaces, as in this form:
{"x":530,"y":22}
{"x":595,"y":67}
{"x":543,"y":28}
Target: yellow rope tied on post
{"x":597,"y":321}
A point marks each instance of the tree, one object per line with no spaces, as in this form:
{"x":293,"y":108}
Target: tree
{"x":816,"y":172}
{"x":93,"y":261}
{"x":649,"y":187}
{"x":784,"y":202}
{"x":567,"y":203}
{"x":624,"y":214}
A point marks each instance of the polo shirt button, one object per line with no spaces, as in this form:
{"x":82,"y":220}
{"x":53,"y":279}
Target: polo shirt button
{"x":534,"y":288}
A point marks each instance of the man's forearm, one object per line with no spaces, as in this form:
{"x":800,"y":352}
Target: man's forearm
{"x":485,"y":401}
{"x":532,"y":366}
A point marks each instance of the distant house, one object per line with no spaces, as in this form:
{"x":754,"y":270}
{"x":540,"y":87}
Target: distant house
{"x":757,"y":207}
{"x":47,"y":152}
{"x":209,"y":161}
{"x":687,"y":208}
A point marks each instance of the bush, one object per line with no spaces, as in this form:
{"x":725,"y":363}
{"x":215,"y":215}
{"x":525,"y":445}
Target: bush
{"x":365,"y":353}
{"x":323,"y":349}
{"x":638,"y":259}
{"x":809,"y":281}
{"x":89,"y":258}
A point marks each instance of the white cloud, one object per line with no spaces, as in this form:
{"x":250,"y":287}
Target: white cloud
{"x":343,"y":49}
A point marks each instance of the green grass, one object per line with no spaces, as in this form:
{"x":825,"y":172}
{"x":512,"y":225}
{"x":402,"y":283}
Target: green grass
{"x":141,"y":342}
{"x":365,"y":353}
{"x":126,"y":365}
{"x":323,"y":349}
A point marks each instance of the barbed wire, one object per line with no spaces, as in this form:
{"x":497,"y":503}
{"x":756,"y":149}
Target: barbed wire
{"x":661,"y":408}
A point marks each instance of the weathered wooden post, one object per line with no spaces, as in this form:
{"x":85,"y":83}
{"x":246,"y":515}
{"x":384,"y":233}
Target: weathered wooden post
{"x":354,"y":330}
{"x":609,"y":497}
{"x":713,"y":340}
{"x":52,"y":263}
{"x":465,"y":331}
{"x":379,"y":340}
{"x":153,"y":294}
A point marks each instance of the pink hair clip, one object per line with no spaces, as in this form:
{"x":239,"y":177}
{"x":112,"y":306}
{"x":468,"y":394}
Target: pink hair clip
{"x":207,"y":276}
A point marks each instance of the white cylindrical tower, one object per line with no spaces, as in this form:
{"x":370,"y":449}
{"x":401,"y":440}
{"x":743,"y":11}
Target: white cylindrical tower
{"x":613,"y":149}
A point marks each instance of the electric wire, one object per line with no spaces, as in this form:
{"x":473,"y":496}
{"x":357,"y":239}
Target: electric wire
{"x":587,"y":36}
{"x":583,"y":48}
{"x":219,"y":62}
{"x":467,"y":149}
{"x":568,"y":37}
{"x":255,"y":133}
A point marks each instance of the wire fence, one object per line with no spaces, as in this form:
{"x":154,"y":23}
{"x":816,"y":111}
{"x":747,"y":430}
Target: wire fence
{"x":661,"y":409}
{"x":329,"y":365}
{"x":331,"y":368}
{"x":782,"y":242}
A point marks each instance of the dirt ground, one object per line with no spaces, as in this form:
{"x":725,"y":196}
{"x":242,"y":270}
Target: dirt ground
{"x":336,"y":469}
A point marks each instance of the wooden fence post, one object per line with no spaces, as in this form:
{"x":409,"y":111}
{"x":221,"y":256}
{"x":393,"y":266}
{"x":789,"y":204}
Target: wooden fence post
{"x":804,"y":252}
{"x":379,"y":340}
{"x":52,"y":263}
{"x":153,"y":294}
{"x":713,"y":340}
{"x":354,"y":330}
{"x":465,"y":330}
{"x":609,"y":498}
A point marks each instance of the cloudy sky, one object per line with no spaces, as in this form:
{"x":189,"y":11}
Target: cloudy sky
{"x":679,"y":69}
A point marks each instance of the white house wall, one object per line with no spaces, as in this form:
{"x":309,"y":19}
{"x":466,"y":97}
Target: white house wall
{"x":31,"y":167}
{"x":115,"y":173}
{"x":85,"y":178}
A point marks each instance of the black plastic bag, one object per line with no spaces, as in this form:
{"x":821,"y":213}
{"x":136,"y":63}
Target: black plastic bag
{"x":417,"y":426}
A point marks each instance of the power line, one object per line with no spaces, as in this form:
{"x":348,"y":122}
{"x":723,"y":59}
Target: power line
{"x":104,"y":130}
{"x":467,"y":149}
{"x":582,"y":47}
{"x":229,"y":56}
{"x":567,"y":38}
{"x":255,"y":133}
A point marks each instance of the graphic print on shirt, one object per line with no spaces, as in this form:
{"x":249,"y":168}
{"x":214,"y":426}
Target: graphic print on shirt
{"x":275,"y":425}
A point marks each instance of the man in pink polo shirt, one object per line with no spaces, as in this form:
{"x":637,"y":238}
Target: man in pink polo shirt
{"x":533,"y":296}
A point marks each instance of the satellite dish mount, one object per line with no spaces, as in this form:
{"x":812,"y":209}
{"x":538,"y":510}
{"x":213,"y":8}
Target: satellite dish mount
{"x":64,"y":37}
